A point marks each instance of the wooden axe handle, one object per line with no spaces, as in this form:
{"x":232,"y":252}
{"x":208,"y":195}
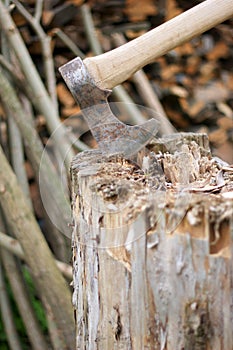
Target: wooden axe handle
{"x":114,"y":67}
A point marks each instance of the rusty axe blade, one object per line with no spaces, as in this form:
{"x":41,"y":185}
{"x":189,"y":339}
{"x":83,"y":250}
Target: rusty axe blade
{"x":112,"y":135}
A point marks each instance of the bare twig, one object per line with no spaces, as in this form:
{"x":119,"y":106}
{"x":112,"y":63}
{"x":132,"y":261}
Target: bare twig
{"x":128,"y":106}
{"x":17,"y":157}
{"x":16,"y":75}
{"x":77,"y":144}
{"x":57,"y":241}
{"x":151,"y":100}
{"x":18,"y":78}
{"x":7,"y":315}
{"x":68,"y":42}
{"x":65,"y":269}
{"x":147,"y":93}
{"x":21,"y":297}
{"x":53,"y":289}
{"x":38,"y":10}
{"x":90,"y":30}
{"x":9,"y":67}
{"x":28,"y":110}
{"x":122,"y":28}
{"x":13,"y":246}
{"x":41,"y":100}
{"x":45,"y":41}
{"x":15,"y":140}
{"x":60,"y":211}
{"x":20,"y":81}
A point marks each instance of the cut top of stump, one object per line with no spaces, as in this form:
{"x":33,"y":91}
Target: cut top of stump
{"x":152,"y":248}
{"x":177,"y":176}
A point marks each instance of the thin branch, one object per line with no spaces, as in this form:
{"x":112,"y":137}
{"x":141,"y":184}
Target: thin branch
{"x":57,"y":241}
{"x":124,"y":27}
{"x":28,"y":110}
{"x":21,"y":297}
{"x":13,"y":246}
{"x":65,"y":269}
{"x":90,"y":30}
{"x":49,"y":180}
{"x":15,"y":140}
{"x":77,"y":144}
{"x":7,"y":315}
{"x":21,"y":83}
{"x":38,"y":10}
{"x":151,"y":100}
{"x":10,"y":69}
{"x":68,"y":42}
{"x":147,"y":93}
{"x":128,"y":106}
{"x":41,"y":99}
{"x":51,"y":285}
{"x":15,"y":279}
{"x":5,"y":307}
{"x":17,"y":157}
{"x":18,"y":78}
{"x":45,"y":41}
{"x":53,"y":235}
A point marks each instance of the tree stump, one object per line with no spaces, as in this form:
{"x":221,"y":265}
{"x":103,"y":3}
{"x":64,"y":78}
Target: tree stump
{"x":152,"y":248}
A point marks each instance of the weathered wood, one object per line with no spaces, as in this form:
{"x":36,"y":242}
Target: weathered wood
{"x":152,"y":249}
{"x":51,"y":286}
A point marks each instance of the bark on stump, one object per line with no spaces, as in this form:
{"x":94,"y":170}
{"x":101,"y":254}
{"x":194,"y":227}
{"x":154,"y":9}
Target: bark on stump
{"x":152,"y":248}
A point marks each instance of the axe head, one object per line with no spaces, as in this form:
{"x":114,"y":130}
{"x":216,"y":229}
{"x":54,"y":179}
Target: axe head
{"x":112,"y":136}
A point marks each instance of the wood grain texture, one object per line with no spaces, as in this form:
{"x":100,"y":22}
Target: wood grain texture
{"x":152,"y":266}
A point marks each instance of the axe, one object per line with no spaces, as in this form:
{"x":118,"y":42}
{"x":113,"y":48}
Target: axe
{"x":92,"y":79}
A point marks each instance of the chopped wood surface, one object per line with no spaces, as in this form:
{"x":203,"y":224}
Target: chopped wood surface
{"x":152,"y":248}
